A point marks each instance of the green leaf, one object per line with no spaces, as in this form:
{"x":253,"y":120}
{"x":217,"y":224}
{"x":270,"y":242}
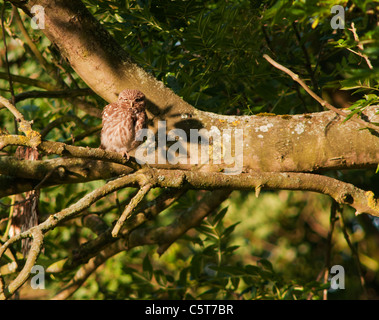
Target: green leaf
{"x":266,"y":264}
{"x":160,"y":277}
{"x":218,"y":218}
{"x":235,"y":282}
{"x":59,"y":202}
{"x":147,"y":267}
{"x":229,"y":229}
{"x":252,"y":270}
{"x":196,"y":266}
{"x":230,"y":270}
{"x":182,"y":282}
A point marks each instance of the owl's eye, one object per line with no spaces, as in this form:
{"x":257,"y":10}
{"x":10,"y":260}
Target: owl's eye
{"x":139,"y":99}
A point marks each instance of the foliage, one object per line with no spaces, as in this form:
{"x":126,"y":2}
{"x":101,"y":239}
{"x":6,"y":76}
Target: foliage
{"x":210,"y":53}
{"x":205,"y":266}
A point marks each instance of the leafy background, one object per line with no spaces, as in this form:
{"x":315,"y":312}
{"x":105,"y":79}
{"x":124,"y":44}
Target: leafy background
{"x":210,"y":53}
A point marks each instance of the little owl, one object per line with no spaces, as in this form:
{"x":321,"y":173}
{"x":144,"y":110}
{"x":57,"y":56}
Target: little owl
{"x":121,"y":122}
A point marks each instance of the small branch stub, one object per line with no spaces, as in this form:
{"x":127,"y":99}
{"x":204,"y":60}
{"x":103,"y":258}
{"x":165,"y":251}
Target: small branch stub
{"x":34,"y":138}
{"x":129,"y":209}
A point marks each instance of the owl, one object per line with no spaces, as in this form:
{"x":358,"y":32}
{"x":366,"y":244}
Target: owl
{"x":122,"y":121}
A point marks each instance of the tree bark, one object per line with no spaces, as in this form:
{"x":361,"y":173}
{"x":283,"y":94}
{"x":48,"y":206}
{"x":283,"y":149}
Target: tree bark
{"x":307,"y":143}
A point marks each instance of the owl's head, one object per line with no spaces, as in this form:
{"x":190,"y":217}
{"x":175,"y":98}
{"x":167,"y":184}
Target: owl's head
{"x":130,"y":98}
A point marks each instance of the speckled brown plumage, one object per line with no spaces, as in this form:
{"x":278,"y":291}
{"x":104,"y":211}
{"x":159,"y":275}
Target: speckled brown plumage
{"x":121,"y":122}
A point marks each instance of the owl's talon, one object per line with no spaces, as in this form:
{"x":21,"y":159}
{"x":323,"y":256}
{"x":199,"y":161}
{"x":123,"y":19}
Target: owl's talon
{"x":125,"y":154}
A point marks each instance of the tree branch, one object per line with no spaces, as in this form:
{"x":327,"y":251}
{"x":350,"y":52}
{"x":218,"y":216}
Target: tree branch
{"x":342,"y":192}
{"x":93,"y":247}
{"x":360,"y":46}
{"x":129,"y":208}
{"x":64,"y":170}
{"x":28,"y":81}
{"x":69,"y":93}
{"x":269,"y":143}
{"x":41,"y":60}
{"x":61,"y":120}
{"x":6,"y":292}
{"x":33,"y":138}
{"x":323,"y":103}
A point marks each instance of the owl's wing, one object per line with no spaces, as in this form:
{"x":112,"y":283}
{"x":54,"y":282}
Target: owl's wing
{"x":141,"y":123}
{"x":106,"y":114}
{"x":108,"y":111}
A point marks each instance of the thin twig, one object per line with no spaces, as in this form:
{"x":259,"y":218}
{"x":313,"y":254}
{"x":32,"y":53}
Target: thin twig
{"x":27,"y":81}
{"x":13,"y":100}
{"x":84,"y":134}
{"x":360,"y":46}
{"x":147,"y":212}
{"x":17,"y":114}
{"x":323,"y":103}
{"x":335,"y":207}
{"x":73,"y":210}
{"x":6,"y":53}
{"x":129,"y":208}
{"x":34,"y":138}
{"x":354,"y":252}
{"x":308,"y":65}
{"x":54,"y":94}
{"x":41,"y":60}
{"x":61,"y":120}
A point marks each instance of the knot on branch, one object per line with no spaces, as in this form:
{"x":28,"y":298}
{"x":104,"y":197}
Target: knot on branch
{"x":346,"y":198}
{"x":372,"y":201}
{"x":34,"y":138}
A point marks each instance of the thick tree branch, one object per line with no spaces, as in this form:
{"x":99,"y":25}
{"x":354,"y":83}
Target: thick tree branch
{"x":302,"y":143}
{"x":60,"y":171}
{"x":81,"y":38}
{"x":62,"y":149}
